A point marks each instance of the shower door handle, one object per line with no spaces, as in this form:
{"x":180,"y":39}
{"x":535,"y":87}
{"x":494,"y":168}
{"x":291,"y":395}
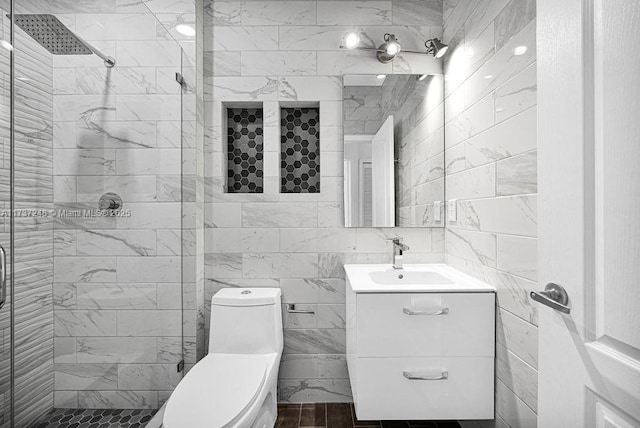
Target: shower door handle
{"x":3,"y":277}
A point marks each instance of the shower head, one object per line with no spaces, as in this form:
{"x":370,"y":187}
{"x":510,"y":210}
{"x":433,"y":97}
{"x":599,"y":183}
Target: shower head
{"x":55,"y":37}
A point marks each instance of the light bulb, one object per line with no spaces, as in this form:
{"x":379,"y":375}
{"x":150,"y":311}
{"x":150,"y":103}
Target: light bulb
{"x":442,"y":51}
{"x":351,"y":40}
{"x":381,"y":76}
{"x":393,"y":48}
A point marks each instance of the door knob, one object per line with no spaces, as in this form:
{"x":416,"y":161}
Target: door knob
{"x":554,"y":296}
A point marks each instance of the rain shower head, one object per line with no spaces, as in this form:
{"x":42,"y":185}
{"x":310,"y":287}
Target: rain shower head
{"x":55,"y":37}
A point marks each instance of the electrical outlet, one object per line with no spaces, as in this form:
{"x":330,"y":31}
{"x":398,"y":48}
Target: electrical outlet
{"x":452,"y":210}
{"x":437,"y":211}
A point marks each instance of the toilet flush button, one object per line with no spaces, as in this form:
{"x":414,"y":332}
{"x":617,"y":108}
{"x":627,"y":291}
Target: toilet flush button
{"x":246,"y":292}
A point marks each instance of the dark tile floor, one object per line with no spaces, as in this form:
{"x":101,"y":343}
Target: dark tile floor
{"x":341,"y":415}
{"x":96,"y":418}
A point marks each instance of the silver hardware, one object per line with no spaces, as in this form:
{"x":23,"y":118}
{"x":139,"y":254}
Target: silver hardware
{"x":443,"y":311}
{"x":180,"y":366}
{"x":291,"y":308}
{"x":246,"y":292}
{"x":554,"y":296}
{"x":110,"y":201}
{"x":400,"y":276}
{"x":179,"y":78}
{"x":442,"y":376}
{"x":398,"y":249}
{"x":3,"y":277}
{"x":55,"y":37}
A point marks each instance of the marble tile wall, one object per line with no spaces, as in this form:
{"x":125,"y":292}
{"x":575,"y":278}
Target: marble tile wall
{"x":287,"y":52}
{"x":33,"y":230}
{"x":490,"y":130}
{"x":123,"y":294}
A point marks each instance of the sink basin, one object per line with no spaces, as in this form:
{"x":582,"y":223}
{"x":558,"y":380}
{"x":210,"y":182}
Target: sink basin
{"x":401,"y":276}
{"x":427,"y":278}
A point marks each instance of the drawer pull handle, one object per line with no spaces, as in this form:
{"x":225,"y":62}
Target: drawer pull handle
{"x":443,"y":311}
{"x":443,"y":376}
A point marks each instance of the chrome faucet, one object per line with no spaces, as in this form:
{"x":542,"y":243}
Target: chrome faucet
{"x":398,"y":249}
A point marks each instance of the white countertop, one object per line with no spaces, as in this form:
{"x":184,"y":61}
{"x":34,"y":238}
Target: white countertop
{"x":454,"y":281}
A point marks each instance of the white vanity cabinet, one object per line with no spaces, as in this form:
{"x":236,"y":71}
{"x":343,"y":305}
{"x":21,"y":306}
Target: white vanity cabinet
{"x":420,"y":351}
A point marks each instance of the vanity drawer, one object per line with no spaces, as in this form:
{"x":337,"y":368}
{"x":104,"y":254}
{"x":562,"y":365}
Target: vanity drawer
{"x":385,"y":391}
{"x":426,"y":324}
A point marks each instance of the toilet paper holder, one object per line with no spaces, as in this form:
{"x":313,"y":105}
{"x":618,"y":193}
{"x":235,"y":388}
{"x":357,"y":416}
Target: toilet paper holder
{"x":291,"y":308}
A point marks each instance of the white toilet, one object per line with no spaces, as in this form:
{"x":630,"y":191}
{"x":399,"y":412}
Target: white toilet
{"x":235,"y":384}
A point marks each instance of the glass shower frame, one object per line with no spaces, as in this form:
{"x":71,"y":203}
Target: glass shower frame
{"x":78,"y":285}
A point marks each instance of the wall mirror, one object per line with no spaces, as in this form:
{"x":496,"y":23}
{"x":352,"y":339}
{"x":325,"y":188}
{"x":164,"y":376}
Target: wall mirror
{"x":394,"y":150}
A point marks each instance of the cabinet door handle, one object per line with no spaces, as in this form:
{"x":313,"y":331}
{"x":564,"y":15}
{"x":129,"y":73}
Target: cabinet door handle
{"x":442,"y":376}
{"x":442,"y":311}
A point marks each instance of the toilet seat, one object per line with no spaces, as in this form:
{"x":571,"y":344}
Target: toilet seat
{"x":217,"y":391}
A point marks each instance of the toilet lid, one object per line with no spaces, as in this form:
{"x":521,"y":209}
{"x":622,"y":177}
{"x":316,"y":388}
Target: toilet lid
{"x":216,"y":391}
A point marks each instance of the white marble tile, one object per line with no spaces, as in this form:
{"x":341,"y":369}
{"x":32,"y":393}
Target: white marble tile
{"x":332,"y":367}
{"x":330,"y":214}
{"x":135,"y":80}
{"x":472,"y":121}
{"x":320,"y":240}
{"x":243,"y":38}
{"x":412,"y":12}
{"x":141,"y":323}
{"x":514,"y":215}
{"x":84,"y":269}
{"x":64,"y":350}
{"x":149,"y":269}
{"x":260,"y":63}
{"x":518,"y":376}
{"x":511,"y":137}
{"x":114,"y":243}
{"x":116,"y":350}
{"x":148,"y":107}
{"x":355,"y":12}
{"x":83,"y":107}
{"x":164,"y":215}
{"x":518,"y":336}
{"x":170,"y":295}
{"x":116,"y":296}
{"x":115,"y":134}
{"x":86,"y":376}
{"x":517,"y":175}
{"x":317,"y":88}
{"x":226,"y":63}
{"x":279,"y":265}
{"x":278,"y":13}
{"x":237,"y":89}
{"x":89,"y":399}
{"x":280,"y":214}
{"x":236,"y":240}
{"x":479,"y":182}
{"x":148,"y":53}
{"x":518,"y":256}
{"x":148,"y":377}
{"x":298,"y":366}
{"x":84,"y":323}
{"x":517,"y":94}
{"x":475,"y":246}
{"x":512,"y":409}
{"x":336,"y":63}
{"x":65,"y":400}
{"x":223,"y":265}
{"x":219,"y":13}
{"x":148,"y":162}
{"x":331,"y":316}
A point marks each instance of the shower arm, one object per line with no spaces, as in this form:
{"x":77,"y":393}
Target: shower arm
{"x":109,"y":61}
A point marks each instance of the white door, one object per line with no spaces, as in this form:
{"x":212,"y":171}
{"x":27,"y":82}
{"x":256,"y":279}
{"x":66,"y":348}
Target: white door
{"x":382,"y":168}
{"x":589,"y":211}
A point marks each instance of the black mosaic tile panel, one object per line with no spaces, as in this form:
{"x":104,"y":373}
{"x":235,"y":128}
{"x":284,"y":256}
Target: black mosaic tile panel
{"x":300,"y":150}
{"x":244,"y":150}
{"x":97,"y":418}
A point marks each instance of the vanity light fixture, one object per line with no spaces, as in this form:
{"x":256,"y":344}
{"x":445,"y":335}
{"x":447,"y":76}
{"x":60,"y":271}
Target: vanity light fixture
{"x":436,"y":47}
{"x":391,"y":47}
{"x":381,"y":76}
{"x":422,"y":77}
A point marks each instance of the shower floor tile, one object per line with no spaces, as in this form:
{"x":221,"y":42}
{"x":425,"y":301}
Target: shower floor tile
{"x":96,"y":418}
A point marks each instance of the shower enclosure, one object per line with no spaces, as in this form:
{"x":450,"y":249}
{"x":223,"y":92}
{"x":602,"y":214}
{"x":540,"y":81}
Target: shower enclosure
{"x":97,"y":192}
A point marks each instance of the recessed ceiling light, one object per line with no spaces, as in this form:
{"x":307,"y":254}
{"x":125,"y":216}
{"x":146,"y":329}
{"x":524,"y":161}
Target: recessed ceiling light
{"x":381,"y":76}
{"x":520,"y":50}
{"x":5,"y":44}
{"x":351,"y":40}
{"x":186,"y":30}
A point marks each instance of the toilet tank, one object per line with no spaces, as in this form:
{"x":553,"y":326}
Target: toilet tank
{"x":246,"y":321}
